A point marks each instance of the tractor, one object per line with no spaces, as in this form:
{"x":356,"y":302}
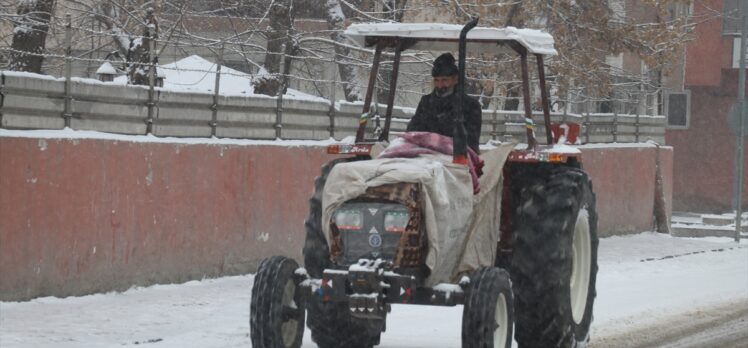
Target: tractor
{"x":520,"y":254}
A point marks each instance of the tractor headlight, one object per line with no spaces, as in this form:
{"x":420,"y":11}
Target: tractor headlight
{"x":396,"y":221}
{"x":348,"y":219}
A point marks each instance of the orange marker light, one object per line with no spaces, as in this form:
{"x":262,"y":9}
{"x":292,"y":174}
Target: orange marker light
{"x":461,"y":160}
{"x":556,"y":158}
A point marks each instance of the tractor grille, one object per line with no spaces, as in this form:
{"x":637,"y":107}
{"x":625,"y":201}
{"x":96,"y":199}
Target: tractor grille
{"x":405,"y":248}
{"x":371,"y":241}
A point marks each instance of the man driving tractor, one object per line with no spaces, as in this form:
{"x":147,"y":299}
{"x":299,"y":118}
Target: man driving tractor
{"x":435,"y":112}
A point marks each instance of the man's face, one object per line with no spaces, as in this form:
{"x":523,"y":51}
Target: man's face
{"x":444,"y":85}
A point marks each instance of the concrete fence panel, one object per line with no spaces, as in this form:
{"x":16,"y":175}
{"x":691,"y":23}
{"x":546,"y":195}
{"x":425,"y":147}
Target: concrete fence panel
{"x":246,"y":117}
{"x":305,"y":119}
{"x":31,"y":102}
{"x":183,"y":114}
{"x":108,"y":108}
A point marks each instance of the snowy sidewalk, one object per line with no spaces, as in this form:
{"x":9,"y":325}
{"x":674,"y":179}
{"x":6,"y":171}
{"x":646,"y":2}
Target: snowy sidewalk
{"x":642,"y":278}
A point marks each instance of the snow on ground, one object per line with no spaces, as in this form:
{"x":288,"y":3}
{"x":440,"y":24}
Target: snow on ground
{"x":642,"y":278}
{"x":193,"y":74}
{"x":649,"y":276}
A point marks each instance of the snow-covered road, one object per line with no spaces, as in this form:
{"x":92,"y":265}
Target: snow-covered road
{"x":643,"y":279}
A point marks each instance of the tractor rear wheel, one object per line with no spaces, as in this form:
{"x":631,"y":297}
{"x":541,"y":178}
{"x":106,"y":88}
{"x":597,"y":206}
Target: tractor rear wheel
{"x":554,"y":262}
{"x":331,"y":323}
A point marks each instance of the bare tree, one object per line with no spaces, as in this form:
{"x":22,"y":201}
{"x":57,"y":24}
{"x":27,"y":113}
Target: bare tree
{"x":279,"y":43}
{"x":586,"y":32}
{"x":139,"y":52}
{"x":131,"y":26}
{"x":348,"y":72}
{"x":30,"y":35}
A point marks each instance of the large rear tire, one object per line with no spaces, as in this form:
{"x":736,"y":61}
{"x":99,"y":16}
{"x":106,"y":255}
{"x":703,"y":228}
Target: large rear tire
{"x":554,"y":263}
{"x":488,"y":317}
{"x":276,"y":315}
{"x":331,"y":324}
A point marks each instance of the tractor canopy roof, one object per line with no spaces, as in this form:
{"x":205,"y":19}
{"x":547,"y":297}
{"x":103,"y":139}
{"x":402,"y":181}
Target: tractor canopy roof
{"x":445,"y":37}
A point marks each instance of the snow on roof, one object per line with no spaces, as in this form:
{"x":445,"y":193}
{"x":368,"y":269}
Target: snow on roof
{"x":106,"y":69}
{"x":479,"y":39}
{"x":196,"y":74}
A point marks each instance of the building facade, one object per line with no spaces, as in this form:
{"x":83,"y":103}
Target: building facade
{"x":704,"y":146}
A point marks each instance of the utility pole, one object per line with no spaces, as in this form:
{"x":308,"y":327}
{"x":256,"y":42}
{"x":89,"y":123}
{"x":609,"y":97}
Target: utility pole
{"x":738,"y":184}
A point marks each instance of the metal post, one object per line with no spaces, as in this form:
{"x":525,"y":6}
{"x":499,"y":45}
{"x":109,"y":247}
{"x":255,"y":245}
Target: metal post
{"x":216,"y":92}
{"x":495,"y":117}
{"x":369,"y":93}
{"x":151,"y":81}
{"x":587,"y":124}
{"x":545,"y":100}
{"x":637,"y":125}
{"x":279,"y":101}
{"x":331,"y":111}
{"x":2,"y":97}
{"x":529,"y":123}
{"x":459,"y":133}
{"x":68,"y":113}
{"x":738,"y":193}
{"x":565,"y":114}
{"x":393,"y":90}
{"x":507,"y":120}
{"x":615,"y":124}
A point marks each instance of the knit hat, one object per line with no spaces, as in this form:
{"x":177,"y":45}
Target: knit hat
{"x":444,"y":65}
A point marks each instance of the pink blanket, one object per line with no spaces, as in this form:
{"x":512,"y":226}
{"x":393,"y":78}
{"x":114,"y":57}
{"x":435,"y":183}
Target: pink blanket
{"x":420,"y":143}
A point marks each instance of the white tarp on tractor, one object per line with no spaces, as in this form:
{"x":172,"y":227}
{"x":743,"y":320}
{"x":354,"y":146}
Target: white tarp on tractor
{"x":462,"y":228}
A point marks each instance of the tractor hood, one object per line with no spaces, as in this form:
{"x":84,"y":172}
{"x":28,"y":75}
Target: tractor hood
{"x":462,"y":228}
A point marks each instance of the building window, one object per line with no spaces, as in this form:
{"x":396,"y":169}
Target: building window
{"x":736,"y":53}
{"x":678,"y":109}
{"x":731,"y":19}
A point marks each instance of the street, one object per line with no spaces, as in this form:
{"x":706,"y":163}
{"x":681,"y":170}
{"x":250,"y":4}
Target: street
{"x":653,"y":291}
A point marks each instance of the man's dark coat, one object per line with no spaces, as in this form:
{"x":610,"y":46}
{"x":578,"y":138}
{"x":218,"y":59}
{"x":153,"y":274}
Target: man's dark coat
{"x":436,"y":114}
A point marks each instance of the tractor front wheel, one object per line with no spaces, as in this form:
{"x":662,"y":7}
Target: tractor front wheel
{"x":276,"y":315}
{"x":488,"y":317}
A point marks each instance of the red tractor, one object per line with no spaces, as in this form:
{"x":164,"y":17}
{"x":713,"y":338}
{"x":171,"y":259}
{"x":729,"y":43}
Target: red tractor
{"x":521,"y":255}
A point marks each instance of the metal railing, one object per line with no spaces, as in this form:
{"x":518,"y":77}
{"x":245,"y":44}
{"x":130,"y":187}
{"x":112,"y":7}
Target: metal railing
{"x":41,"y":102}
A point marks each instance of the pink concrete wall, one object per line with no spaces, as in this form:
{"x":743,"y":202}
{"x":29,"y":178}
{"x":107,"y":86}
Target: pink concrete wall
{"x":83,"y":216}
{"x":624,"y":182}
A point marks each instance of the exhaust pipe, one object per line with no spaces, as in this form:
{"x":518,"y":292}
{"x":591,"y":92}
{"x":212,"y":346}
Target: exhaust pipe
{"x":459,"y":151}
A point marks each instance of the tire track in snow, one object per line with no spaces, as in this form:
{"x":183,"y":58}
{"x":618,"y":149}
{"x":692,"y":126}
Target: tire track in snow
{"x":691,"y":253}
{"x":724,"y":325}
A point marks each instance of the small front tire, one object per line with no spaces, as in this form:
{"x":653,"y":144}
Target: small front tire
{"x":488,"y":315}
{"x":276,"y":315}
